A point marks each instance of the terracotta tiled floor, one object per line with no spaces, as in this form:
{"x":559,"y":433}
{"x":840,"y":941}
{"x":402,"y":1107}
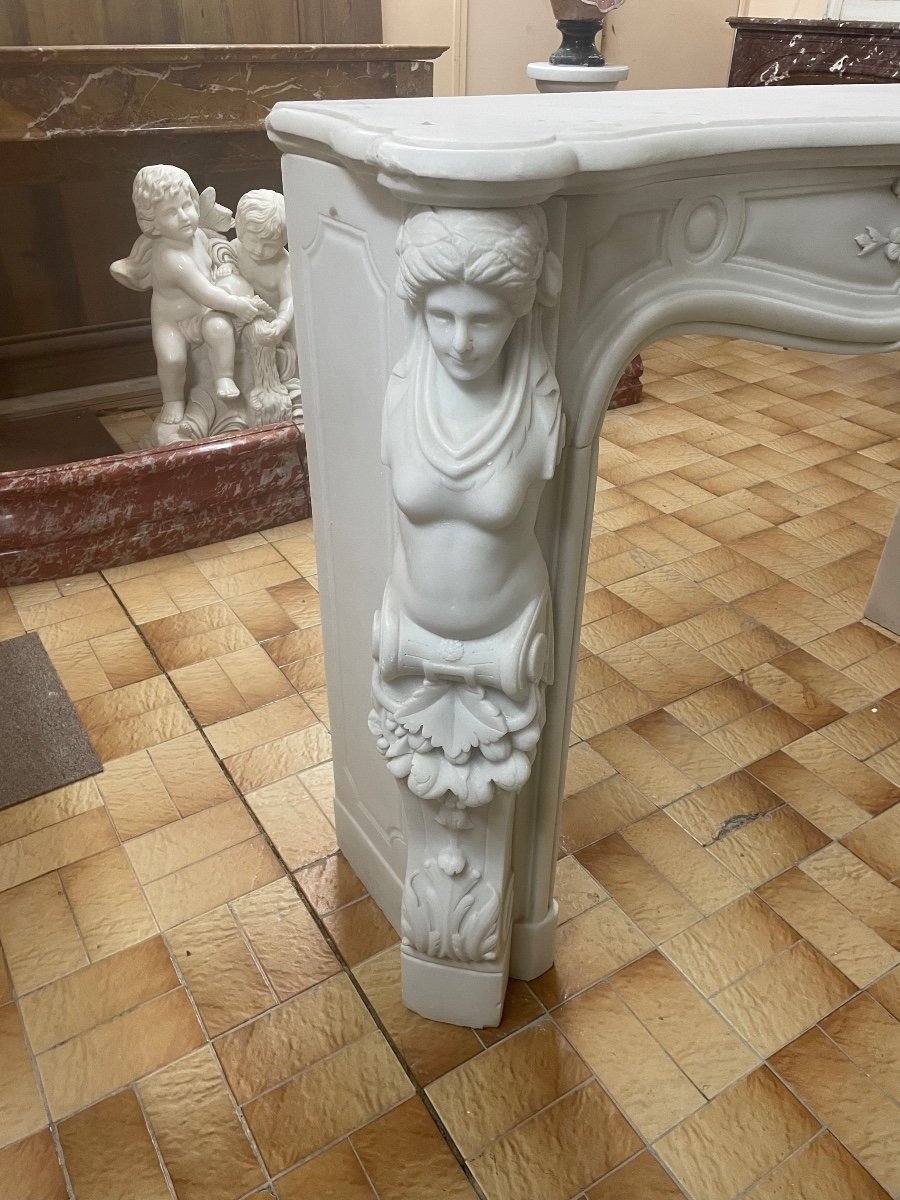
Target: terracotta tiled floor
{"x":202,"y":1002}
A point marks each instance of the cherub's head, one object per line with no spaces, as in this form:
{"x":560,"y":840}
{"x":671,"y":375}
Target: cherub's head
{"x":166,"y":202}
{"x":260,"y":224}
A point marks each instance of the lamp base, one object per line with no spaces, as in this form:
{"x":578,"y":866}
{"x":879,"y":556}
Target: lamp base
{"x":550,"y":78}
{"x":578,"y":48}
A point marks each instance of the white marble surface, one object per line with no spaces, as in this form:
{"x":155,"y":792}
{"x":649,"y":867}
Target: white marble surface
{"x":515,"y":139}
{"x":551,"y":78}
{"x":736,"y":212}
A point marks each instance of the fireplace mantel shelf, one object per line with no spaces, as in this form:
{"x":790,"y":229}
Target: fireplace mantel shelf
{"x":509,"y":141}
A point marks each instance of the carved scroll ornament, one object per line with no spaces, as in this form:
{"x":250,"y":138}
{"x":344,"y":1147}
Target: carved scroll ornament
{"x":472,"y":431}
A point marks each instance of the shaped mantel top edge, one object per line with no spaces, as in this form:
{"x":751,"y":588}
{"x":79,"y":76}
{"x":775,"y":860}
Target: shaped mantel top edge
{"x":540,"y":143}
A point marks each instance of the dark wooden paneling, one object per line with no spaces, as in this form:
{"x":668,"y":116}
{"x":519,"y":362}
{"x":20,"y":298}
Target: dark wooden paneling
{"x":13,"y":24}
{"x":209,"y":21}
{"x":131,"y":22}
{"x":100,"y":228}
{"x":40,"y":286}
{"x":352,"y":20}
{"x":311,"y":15}
{"x":61,"y":22}
{"x":339,"y":21}
{"x":75,"y":358}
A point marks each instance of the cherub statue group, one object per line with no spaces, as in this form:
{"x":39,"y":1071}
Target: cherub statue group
{"x":221,"y":311}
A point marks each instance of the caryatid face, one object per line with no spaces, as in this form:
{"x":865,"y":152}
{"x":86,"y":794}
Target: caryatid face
{"x":468,"y":327}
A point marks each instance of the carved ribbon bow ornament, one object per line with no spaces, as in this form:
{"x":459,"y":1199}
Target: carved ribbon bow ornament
{"x":872,"y":239}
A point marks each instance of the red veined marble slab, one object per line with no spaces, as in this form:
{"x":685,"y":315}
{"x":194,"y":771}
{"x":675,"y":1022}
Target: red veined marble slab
{"x":103,"y":512}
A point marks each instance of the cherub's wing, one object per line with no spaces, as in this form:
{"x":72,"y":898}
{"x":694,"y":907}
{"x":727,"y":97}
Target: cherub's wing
{"x":214,"y":217}
{"x":134,"y":271}
{"x":221,"y":253}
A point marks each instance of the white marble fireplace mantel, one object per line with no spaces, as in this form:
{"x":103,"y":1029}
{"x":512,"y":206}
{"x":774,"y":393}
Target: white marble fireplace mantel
{"x":537,"y":239}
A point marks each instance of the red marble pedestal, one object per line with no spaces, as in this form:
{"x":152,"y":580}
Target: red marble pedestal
{"x":66,"y":520}
{"x":629,"y":389}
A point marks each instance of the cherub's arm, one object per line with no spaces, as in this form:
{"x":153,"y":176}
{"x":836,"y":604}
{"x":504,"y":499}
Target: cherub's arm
{"x":182,"y":272}
{"x":285,"y":295}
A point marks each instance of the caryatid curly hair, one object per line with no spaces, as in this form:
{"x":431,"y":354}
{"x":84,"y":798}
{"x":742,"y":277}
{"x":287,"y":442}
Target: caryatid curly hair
{"x":502,"y":250}
{"x":153,"y":185}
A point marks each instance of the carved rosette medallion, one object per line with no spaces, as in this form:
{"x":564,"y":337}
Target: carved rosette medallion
{"x":462,"y":643}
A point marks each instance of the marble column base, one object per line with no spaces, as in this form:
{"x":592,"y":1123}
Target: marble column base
{"x":439,"y":996}
{"x":533,"y":945}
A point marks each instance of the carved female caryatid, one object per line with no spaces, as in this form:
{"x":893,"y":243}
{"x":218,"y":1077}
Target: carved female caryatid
{"x":472,"y":431}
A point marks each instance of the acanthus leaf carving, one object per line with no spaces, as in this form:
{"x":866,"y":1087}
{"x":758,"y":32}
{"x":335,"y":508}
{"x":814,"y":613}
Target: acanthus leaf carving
{"x":452,"y":717}
{"x":453,"y":917}
{"x":452,"y":739}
